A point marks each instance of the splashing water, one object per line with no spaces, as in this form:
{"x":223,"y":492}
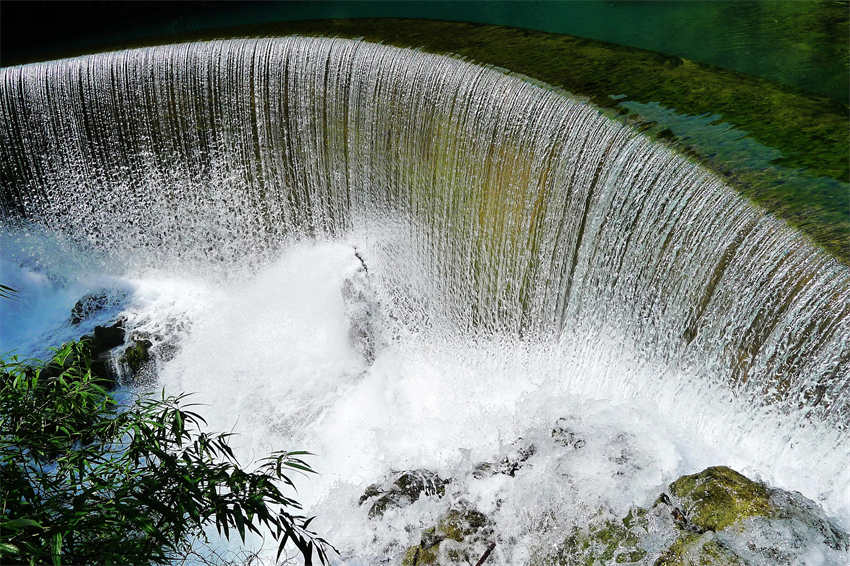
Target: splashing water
{"x":519,"y":258}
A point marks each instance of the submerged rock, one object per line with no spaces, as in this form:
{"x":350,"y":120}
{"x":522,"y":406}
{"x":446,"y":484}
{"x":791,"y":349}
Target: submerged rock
{"x":508,"y":463}
{"x":405,"y":488}
{"x":363,"y":312}
{"x":562,"y":434}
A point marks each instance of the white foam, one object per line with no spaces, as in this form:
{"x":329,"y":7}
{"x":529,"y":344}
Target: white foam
{"x":273,"y":359}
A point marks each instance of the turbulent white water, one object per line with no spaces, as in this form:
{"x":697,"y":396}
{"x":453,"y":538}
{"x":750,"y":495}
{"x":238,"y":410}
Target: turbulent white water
{"x":528,"y":259}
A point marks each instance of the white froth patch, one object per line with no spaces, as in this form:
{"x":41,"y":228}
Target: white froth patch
{"x":273,"y":358}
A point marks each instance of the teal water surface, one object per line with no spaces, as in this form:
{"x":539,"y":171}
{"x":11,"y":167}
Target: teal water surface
{"x":803,"y":44}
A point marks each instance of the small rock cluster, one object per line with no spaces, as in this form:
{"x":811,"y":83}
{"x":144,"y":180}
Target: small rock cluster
{"x":113,"y":357}
{"x":460,"y":535}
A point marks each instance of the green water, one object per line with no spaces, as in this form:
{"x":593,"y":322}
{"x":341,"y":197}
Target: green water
{"x":802,"y":44}
{"x":797,"y":43}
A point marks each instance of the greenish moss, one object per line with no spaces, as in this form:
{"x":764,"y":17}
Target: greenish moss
{"x":636,"y":517}
{"x":610,"y":541}
{"x":416,"y":556}
{"x":694,"y":550}
{"x":630,"y":556}
{"x":136,"y":355}
{"x":719,"y":496}
{"x":456,"y":524}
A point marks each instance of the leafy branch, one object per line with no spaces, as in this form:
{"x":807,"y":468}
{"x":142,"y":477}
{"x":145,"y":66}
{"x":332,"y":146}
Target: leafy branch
{"x":7,"y":292}
{"x":85,"y":480}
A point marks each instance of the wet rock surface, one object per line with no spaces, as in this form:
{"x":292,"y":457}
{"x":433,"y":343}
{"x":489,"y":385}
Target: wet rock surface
{"x":94,"y":302}
{"x":121,"y":354}
{"x":509,"y":463}
{"x":563,"y":434}
{"x":136,"y":356}
{"x":461,"y":536}
{"x":402,"y":489}
{"x":713,"y":518}
{"x":363,"y":310}
{"x":102,"y":342}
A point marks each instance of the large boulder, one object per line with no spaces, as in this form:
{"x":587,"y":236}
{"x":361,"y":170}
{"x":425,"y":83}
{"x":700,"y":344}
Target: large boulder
{"x":717,"y":517}
{"x":718,"y":497}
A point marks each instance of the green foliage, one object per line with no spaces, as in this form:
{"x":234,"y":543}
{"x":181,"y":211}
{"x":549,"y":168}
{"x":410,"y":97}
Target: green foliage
{"x":6,"y":292}
{"x":86,"y":480}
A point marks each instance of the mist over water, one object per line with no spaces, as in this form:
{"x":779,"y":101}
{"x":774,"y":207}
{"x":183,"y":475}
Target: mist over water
{"x":398,"y":260}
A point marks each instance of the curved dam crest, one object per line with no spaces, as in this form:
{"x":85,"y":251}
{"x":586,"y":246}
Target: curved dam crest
{"x":528,"y":213}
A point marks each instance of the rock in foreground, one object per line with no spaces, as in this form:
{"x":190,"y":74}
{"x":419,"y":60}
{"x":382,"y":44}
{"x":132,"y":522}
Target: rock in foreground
{"x":717,"y":517}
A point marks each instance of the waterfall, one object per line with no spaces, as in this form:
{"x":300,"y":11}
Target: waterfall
{"x":531,"y":210}
{"x":560,"y":245}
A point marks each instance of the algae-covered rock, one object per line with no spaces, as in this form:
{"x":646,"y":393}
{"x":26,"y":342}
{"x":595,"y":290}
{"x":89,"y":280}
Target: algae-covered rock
{"x":609,"y":541}
{"x":417,"y":555}
{"x":716,"y":517}
{"x":136,"y":355}
{"x":718,"y":497}
{"x":461,"y":536}
{"x":699,"y":550}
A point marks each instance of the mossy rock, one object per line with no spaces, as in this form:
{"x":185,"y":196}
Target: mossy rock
{"x":699,"y":550}
{"x":419,"y":556}
{"x":457,"y":524}
{"x":459,"y":537}
{"x":610,"y":542}
{"x":709,"y":519}
{"x":719,"y":496}
{"x":137,"y":355}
